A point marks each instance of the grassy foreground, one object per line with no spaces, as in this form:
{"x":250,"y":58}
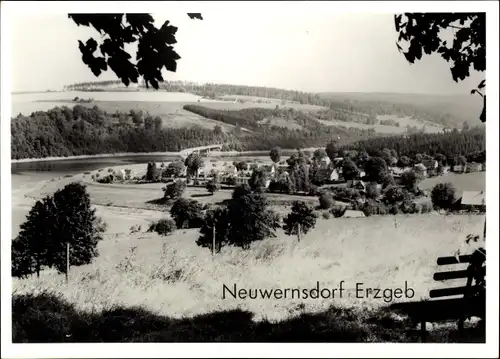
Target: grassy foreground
{"x":144,"y":287}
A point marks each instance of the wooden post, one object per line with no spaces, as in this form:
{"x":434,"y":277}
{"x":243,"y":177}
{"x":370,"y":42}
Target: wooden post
{"x":213,"y":241}
{"x":67,"y":261}
{"x":298,"y":231}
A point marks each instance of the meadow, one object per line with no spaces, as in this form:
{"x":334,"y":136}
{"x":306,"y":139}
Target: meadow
{"x":474,"y":181}
{"x":144,"y":275}
{"x":168,"y":105}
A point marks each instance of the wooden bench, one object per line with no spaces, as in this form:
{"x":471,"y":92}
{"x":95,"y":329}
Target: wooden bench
{"x":472,"y":302}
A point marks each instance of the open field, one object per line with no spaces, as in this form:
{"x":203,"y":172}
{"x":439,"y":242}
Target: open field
{"x":403,"y":121}
{"x":475,"y":181}
{"x":172,"y":276}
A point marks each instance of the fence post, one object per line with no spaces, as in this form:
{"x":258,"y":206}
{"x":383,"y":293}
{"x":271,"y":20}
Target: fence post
{"x":213,"y":240}
{"x":67,"y":261}
{"x":298,"y":232}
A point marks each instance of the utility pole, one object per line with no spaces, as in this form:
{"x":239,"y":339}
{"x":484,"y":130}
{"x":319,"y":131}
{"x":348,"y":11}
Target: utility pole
{"x":67,"y":261}
{"x":213,"y":240}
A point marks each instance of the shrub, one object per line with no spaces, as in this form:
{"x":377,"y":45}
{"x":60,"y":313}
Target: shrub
{"x":212,"y":186}
{"x":325,"y":200}
{"x":338,"y":211}
{"x":313,"y":190}
{"x":110,"y":170}
{"x":107,"y":179}
{"x":174,"y":190}
{"x":303,"y":214}
{"x":187,"y":213}
{"x":87,"y":172}
{"x":163,"y":227}
{"x":326,"y":215}
{"x":443,"y":196}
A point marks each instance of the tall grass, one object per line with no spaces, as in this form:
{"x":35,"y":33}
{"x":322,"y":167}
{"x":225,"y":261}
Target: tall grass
{"x":172,"y":276}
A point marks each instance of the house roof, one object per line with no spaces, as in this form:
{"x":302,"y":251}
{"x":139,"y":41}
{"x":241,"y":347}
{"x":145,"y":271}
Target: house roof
{"x":474,"y":198}
{"x":429,"y":163}
{"x":420,"y":166}
{"x":353,"y":214}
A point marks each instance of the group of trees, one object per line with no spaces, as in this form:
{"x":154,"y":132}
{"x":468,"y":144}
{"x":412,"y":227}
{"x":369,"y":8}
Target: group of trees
{"x":470,"y":143}
{"x":244,"y":219}
{"x":63,"y":131}
{"x":66,"y":218}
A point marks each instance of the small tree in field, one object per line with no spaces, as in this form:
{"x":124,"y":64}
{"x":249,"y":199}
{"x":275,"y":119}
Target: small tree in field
{"x":152,"y":173}
{"x":213,"y":186}
{"x":66,"y":218}
{"x":275,"y":154}
{"x":174,"y":169}
{"x":193,"y":163}
{"x":174,"y":190}
{"x":187,"y":213}
{"x":218,"y":218}
{"x":163,"y":227}
{"x":443,"y":196}
{"x":302,"y":218}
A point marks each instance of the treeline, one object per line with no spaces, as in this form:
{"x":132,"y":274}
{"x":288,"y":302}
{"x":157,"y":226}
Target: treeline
{"x":311,"y":132}
{"x":470,"y":144}
{"x":365,"y":108}
{"x":63,"y":131}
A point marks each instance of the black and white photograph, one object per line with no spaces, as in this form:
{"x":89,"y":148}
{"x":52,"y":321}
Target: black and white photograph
{"x":249,"y":172}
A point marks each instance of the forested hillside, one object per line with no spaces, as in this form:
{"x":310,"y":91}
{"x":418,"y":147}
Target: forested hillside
{"x":470,"y":143}
{"x":438,"y":109}
{"x":63,"y":131}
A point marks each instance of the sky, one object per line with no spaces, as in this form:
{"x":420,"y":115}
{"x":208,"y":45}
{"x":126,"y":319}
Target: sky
{"x":313,"y":51}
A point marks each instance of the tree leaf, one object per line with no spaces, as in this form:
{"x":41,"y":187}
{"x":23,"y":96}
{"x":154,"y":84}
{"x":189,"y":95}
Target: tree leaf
{"x":195,"y":15}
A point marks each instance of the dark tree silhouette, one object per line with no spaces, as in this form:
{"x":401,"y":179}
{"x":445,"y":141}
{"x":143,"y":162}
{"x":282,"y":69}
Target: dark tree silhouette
{"x":187,"y":213}
{"x":65,"y":217}
{"x":155,"y":49}
{"x":303,"y":214}
{"x":421,"y":31}
{"x":443,"y":195}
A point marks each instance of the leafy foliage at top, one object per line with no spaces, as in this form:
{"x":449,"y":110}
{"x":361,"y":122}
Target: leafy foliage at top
{"x":467,"y":50}
{"x":155,"y":49}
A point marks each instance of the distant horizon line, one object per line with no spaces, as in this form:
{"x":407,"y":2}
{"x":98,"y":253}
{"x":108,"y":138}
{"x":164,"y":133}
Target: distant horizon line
{"x":21,"y":92}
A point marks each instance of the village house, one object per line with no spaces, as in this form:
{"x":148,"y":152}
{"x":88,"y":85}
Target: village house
{"x":349,"y":213}
{"x":459,"y":169}
{"x":472,"y":200}
{"x":356,"y":184}
{"x":474,"y":167}
{"x":420,"y":169}
{"x":327,"y":174}
{"x":430,"y":164}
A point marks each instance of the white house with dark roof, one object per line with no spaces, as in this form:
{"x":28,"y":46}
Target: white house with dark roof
{"x":474,"y":167}
{"x":473,"y":200}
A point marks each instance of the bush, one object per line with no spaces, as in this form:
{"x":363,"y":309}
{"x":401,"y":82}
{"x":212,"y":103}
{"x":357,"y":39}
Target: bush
{"x":163,"y":227}
{"x":325,"y":200}
{"x":187,"y":213}
{"x":338,"y":211}
{"x":213,"y":186}
{"x":443,"y":196}
{"x":313,"y":190}
{"x":107,"y":179}
{"x":326,"y":215}
{"x":174,"y":190}
{"x":303,"y":214}
{"x":110,"y":170}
